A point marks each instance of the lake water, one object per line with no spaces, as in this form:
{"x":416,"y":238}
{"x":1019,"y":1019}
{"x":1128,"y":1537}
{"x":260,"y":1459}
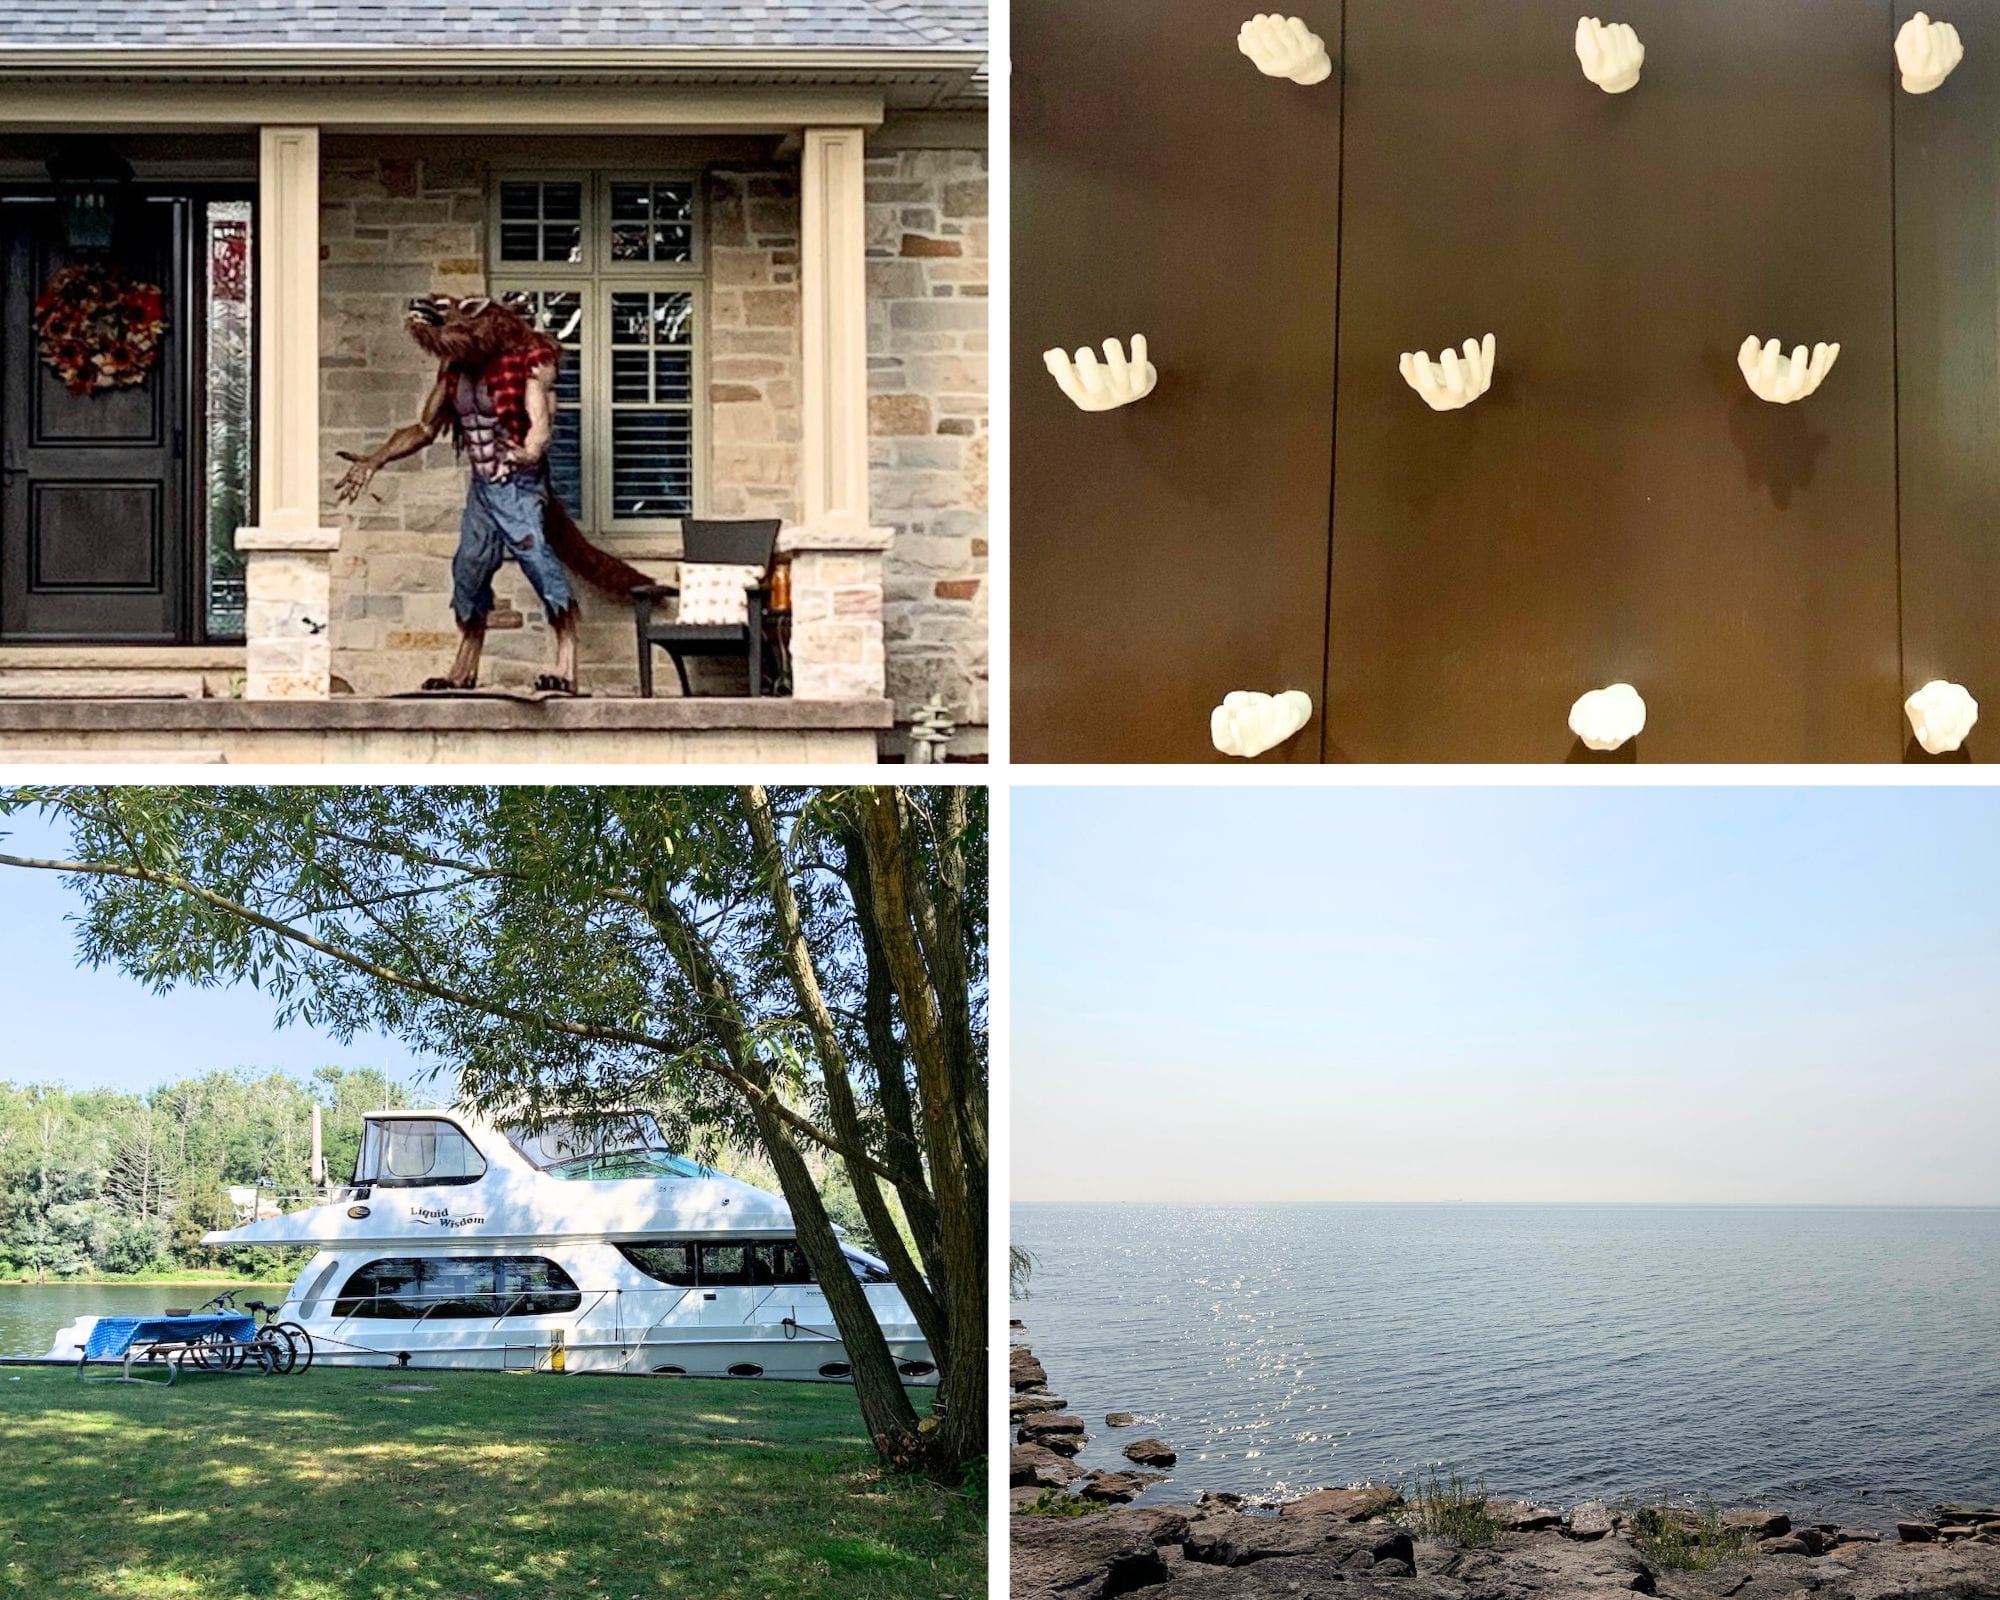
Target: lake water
{"x":1841,"y":1364}
{"x":32,"y":1314}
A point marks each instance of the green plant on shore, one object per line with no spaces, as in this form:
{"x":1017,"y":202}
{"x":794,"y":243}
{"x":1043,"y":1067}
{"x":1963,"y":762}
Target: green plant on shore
{"x":1447,"y":1509}
{"x":1059,"y":1503}
{"x":1685,"y":1540}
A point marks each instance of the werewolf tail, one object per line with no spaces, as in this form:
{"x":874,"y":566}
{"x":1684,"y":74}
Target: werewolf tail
{"x":596,"y":567}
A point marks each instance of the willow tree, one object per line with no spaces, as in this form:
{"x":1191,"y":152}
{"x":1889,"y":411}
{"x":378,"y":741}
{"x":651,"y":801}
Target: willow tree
{"x":766,"y":970}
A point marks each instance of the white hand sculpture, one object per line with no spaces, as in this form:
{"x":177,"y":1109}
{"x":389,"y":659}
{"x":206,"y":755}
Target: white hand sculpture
{"x":1605,"y":718}
{"x":1610,"y":52}
{"x":1284,"y":47}
{"x":1247,"y":724}
{"x":1941,"y":715}
{"x":1100,"y":388}
{"x":1771,"y":377}
{"x":1927,"y":51}
{"x":1453,"y":382}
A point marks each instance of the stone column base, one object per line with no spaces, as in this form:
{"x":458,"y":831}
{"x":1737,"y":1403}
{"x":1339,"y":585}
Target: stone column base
{"x":837,"y":612}
{"x":288,"y":615}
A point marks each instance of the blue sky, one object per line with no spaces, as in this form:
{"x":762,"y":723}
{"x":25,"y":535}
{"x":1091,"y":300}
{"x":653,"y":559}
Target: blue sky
{"x":100,"y":1029}
{"x":1758,"y":995}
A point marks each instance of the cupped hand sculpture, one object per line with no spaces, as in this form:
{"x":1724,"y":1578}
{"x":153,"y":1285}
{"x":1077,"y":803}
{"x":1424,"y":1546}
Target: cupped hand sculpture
{"x":1454,"y":381}
{"x":1118,"y":382}
{"x":1610,"y":53}
{"x":1247,"y":723}
{"x":1605,"y":718}
{"x":1941,"y":715}
{"x":1774,"y":378}
{"x":1927,"y":51}
{"x":1284,"y":47}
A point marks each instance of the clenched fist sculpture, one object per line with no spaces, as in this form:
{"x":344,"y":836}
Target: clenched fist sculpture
{"x":1247,"y":723}
{"x":1118,"y":382}
{"x":1284,"y":47}
{"x":1610,"y":53}
{"x":1927,"y":51}
{"x":1456,"y":380}
{"x":1774,"y":378}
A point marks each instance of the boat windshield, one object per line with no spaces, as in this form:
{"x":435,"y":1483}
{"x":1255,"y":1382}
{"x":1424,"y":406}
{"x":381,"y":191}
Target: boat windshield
{"x":627,"y":1147}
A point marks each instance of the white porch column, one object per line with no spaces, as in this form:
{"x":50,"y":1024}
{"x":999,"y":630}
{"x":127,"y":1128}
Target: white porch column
{"x":836,"y":553}
{"x":289,"y":556}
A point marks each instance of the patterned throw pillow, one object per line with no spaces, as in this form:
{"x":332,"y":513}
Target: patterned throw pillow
{"x":712,"y":593}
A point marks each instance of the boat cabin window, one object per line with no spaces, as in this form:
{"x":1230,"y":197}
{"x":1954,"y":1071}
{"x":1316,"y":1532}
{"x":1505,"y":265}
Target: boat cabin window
{"x":708,"y":1264}
{"x":413,"y":1152}
{"x":622,"y":1147}
{"x":408,"y":1287}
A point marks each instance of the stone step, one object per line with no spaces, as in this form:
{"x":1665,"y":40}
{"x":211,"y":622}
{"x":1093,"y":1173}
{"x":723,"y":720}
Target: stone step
{"x":98,"y":684}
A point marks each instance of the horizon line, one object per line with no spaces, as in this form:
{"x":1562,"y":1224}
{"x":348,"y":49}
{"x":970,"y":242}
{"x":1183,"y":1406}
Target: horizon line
{"x":1689,"y":1205}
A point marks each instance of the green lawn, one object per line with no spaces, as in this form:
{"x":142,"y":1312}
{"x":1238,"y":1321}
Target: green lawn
{"x":344,"y":1485}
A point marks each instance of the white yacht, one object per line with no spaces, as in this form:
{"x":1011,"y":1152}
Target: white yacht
{"x":463,"y":1243}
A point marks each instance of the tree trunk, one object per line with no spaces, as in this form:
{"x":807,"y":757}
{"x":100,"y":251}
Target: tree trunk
{"x":885,"y":1408}
{"x":797,"y":957}
{"x":956,"y":1171}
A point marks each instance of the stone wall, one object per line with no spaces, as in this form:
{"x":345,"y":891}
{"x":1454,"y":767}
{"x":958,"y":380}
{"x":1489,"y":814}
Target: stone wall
{"x":928,"y":420}
{"x":396,"y":224}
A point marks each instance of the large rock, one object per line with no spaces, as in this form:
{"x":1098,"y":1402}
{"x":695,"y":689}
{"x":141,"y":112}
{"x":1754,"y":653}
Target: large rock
{"x":1054,"y":1430}
{"x":1757,"y":1522}
{"x":1116,"y":1487}
{"x":1083,"y":1558}
{"x":1232,"y":1539}
{"x":1029,"y":1401}
{"x":1033,"y":1465}
{"x":1522,"y":1516}
{"x":1119,"y":1419}
{"x":1350,"y":1505}
{"x":1591,"y":1520}
{"x":1151,"y":1453}
{"x":1023,"y":1370}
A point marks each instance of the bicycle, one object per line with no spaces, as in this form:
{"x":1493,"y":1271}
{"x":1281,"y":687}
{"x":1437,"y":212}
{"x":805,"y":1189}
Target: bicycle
{"x":283,"y":1342}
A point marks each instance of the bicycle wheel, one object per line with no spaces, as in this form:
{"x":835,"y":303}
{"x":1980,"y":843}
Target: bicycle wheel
{"x":284,"y":1354}
{"x":230,"y":1354}
{"x":301,"y":1342}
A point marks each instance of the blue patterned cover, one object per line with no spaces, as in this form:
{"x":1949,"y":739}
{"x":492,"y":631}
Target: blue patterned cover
{"x":113,"y":1336}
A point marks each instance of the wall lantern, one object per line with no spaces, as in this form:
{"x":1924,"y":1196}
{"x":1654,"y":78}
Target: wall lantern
{"x":90,"y":179}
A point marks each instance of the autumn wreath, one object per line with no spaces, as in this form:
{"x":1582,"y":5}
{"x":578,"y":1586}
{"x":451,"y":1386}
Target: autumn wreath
{"x":98,"y":329}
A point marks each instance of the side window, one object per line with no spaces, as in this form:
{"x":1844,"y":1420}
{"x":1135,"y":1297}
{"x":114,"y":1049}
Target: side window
{"x":867,"y":1272}
{"x":440,"y":1287}
{"x":672,"y":1262}
{"x":530,"y":1286}
{"x":725,"y":1265}
{"x":782,"y":1261}
{"x":414,"y":1151}
{"x":392,"y":1289}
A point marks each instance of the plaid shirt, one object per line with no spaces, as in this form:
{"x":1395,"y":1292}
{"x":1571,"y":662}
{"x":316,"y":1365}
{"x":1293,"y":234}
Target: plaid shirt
{"x":506,"y":380}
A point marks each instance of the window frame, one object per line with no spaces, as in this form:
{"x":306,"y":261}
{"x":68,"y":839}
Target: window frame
{"x":595,"y":278}
{"x":368,"y":1307}
{"x":433,"y":1181}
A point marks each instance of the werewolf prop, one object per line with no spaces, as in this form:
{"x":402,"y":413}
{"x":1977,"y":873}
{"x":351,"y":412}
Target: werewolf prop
{"x":496,"y":392}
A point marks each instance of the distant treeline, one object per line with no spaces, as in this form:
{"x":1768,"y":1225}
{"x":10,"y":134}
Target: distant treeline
{"x":93,"y":1181}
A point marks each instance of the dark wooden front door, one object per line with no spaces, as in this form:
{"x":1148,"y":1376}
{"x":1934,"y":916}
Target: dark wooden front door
{"x":95,"y":533}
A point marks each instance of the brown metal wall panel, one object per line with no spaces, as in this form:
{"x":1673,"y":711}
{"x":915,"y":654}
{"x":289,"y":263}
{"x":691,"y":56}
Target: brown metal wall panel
{"x":1167,"y":552}
{"x":1618,"y":506}
{"x":1948,"y":353}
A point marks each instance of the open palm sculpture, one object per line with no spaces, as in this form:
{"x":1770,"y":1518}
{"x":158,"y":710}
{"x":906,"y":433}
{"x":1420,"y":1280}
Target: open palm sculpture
{"x":1284,"y":47}
{"x":1456,"y":379}
{"x":1781,"y":380}
{"x":1927,"y":51}
{"x":1116,"y":382}
{"x":1247,"y":723}
{"x":1610,"y":53}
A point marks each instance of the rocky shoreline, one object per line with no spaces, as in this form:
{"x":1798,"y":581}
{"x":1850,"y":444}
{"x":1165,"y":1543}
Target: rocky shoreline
{"x":1362,"y":1540}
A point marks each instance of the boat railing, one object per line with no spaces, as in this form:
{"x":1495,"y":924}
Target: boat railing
{"x":589,"y":1302}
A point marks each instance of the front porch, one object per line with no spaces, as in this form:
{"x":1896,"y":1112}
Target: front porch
{"x":716,"y":364}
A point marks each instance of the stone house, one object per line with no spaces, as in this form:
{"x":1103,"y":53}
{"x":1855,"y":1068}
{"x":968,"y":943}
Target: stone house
{"x":759,"y":235}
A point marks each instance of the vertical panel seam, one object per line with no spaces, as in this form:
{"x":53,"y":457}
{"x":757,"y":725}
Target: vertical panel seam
{"x":1333,"y":430}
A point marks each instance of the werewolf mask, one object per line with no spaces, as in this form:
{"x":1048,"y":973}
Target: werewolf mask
{"x":471,"y":333}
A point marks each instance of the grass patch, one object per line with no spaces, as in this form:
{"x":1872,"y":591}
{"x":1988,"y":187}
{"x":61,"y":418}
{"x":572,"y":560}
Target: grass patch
{"x":489,"y":1486}
{"x":1448,"y":1509}
{"x":1059,"y":1503}
{"x":1687,"y":1540}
